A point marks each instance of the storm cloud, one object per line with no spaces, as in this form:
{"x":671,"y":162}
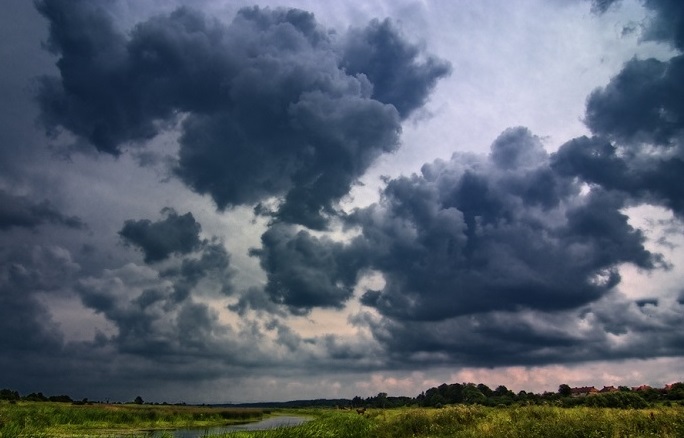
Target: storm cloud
{"x":273,"y":104}
{"x":267,"y":218}
{"x":305,"y":271}
{"x":174,"y":234}
{"x":638,"y":122}
{"x":477,"y":234}
{"x":20,"y":211}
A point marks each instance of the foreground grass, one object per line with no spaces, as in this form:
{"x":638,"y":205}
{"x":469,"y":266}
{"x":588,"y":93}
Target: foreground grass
{"x":532,"y":421}
{"x":57,"y":420}
{"x":476,"y":421}
{"x":51,"y":419}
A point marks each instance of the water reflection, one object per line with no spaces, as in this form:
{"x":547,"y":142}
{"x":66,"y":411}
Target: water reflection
{"x":268,"y":423}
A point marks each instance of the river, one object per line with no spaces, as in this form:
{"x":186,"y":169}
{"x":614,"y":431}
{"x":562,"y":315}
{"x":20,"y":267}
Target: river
{"x":268,"y":423}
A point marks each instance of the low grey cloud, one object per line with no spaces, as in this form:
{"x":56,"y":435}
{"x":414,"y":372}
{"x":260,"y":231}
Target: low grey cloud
{"x":273,"y":103}
{"x":175,"y":234}
{"x":211,"y":267}
{"x":612,"y":328}
{"x":21,"y":211}
{"x":26,"y":273}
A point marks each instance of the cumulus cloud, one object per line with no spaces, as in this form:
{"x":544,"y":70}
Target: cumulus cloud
{"x":638,"y":122}
{"x":512,"y":257}
{"x":211,"y":267}
{"x":305,"y":271}
{"x":507,"y":252}
{"x":174,"y":234}
{"x":273,"y":103}
{"x":478,"y":234}
{"x":642,"y":103}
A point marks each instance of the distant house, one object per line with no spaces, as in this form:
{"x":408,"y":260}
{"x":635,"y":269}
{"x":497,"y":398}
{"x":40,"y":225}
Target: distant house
{"x":583,"y":391}
{"x":606,"y":389}
{"x":641,"y":388}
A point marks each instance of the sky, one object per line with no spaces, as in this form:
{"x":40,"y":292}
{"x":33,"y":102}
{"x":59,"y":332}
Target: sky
{"x":225,"y":201}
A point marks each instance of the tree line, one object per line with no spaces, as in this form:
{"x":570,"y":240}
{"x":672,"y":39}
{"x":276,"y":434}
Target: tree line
{"x":454,"y":393}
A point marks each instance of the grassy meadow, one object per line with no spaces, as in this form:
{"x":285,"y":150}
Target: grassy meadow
{"x":32,"y":419}
{"x":49,"y":419}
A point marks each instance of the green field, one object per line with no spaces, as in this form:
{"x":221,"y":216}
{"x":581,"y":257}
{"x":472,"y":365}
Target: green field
{"x":31,"y":419}
{"x":49,"y":419}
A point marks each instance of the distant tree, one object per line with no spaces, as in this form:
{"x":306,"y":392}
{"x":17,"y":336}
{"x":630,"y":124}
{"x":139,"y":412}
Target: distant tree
{"x":564,"y":390}
{"x":381,"y":400}
{"x":454,"y":393}
{"x":138,"y":400}
{"x":502,"y":391}
{"x":472,"y":394}
{"x":357,"y":401}
{"x":433,"y":398}
{"x":485,"y":390}
{"x":676,"y":392}
{"x":60,"y":398}
{"x":36,"y":397}
{"x":8,"y":394}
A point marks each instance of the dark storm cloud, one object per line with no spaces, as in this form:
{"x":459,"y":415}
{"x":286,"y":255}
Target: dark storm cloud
{"x":645,"y":178}
{"x":26,"y":273}
{"x":174,"y":234}
{"x":484,"y":339}
{"x":643,"y":103}
{"x":212,"y":265}
{"x":476,"y":235}
{"x":255,"y":298}
{"x":506,"y":232}
{"x":612,"y":328}
{"x":666,"y":23}
{"x":379,"y":52}
{"x":273,"y":104}
{"x":157,"y":313}
{"x":638,"y":120}
{"x":305,"y":271}
{"x":20,"y":211}
{"x":155,"y":307}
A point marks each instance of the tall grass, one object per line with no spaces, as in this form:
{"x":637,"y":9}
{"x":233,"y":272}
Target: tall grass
{"x":326,"y":424}
{"x":53,"y":419}
{"x":484,"y":422}
{"x":532,"y":421}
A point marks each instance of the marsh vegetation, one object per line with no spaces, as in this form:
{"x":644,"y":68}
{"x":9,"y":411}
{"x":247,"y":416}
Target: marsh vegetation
{"x":35,"y":419}
{"x":29,"y":418}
